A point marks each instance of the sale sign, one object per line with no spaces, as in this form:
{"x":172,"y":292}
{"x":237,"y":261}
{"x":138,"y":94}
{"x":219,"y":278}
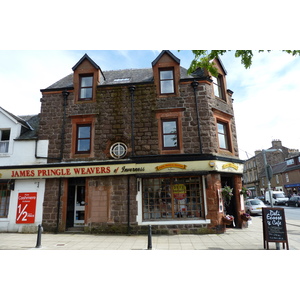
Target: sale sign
{"x":26,"y":208}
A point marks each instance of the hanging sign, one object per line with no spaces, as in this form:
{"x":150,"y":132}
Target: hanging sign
{"x":26,"y":208}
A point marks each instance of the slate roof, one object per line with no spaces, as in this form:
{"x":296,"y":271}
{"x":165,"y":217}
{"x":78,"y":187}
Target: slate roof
{"x":115,"y":77}
{"x":28,"y":134}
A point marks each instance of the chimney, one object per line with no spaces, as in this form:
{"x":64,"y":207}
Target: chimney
{"x":276,"y":144}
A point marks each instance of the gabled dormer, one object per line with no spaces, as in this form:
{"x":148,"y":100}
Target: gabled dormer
{"x":11,"y":127}
{"x":87,"y":75}
{"x":219,"y":81}
{"x":166,"y":73}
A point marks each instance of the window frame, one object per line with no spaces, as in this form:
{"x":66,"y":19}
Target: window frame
{"x":5,"y":142}
{"x":163,"y":134}
{"x":218,"y":84}
{"x":4,"y":189}
{"x":164,"y":80}
{"x":225,"y":135}
{"x":160,"y":203}
{"x":78,"y":126}
{"x":81,"y":76}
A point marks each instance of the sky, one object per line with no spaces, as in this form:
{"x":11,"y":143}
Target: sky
{"x":266,"y":96}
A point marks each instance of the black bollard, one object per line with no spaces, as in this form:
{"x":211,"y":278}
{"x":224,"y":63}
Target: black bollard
{"x":149,"y":238}
{"x":39,"y":236}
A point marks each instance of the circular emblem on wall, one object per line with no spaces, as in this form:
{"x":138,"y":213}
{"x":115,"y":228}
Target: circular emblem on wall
{"x":118,"y":150}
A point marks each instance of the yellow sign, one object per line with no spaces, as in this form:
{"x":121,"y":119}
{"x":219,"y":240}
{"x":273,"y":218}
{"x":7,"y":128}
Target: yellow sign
{"x":230,"y":165}
{"x":166,"y":166}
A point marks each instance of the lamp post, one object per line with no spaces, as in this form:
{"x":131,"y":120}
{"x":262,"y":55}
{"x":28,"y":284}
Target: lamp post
{"x":269,"y":175}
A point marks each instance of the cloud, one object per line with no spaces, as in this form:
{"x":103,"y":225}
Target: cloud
{"x":266,"y":101}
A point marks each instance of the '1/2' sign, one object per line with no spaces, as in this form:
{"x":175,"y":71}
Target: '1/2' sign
{"x":26,"y":208}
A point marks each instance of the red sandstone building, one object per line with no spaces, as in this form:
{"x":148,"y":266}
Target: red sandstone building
{"x":138,"y":147}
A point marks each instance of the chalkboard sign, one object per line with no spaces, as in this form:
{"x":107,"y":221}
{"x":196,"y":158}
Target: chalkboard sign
{"x":274,"y":226}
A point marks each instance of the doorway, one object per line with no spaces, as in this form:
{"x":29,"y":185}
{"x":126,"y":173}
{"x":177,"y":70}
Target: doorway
{"x":76,"y":203}
{"x":230,"y":208}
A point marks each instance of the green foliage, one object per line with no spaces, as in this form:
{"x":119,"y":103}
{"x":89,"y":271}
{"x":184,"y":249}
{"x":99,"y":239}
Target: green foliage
{"x":204,"y":58}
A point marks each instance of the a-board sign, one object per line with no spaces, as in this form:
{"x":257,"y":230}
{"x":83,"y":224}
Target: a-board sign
{"x":274,"y":226}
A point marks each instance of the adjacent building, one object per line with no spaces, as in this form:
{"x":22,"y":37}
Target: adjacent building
{"x":21,"y":201}
{"x":138,"y":147}
{"x":254,"y":169}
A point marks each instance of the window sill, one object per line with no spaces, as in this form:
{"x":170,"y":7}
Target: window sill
{"x":175,"y":222}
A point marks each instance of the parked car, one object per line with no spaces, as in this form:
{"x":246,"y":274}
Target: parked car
{"x":293,"y":201}
{"x":254,"y":206}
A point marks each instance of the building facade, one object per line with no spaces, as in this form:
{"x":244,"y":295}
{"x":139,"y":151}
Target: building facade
{"x":21,"y":201}
{"x":254,"y":176}
{"x":139,"y":147}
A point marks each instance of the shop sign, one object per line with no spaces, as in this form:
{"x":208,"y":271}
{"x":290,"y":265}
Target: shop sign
{"x":170,"y":166}
{"x":26,"y":208}
{"x":116,"y":169}
{"x":179,"y":191}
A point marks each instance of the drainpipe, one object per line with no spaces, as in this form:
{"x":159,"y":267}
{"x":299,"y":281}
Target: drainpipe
{"x":128,"y":206}
{"x":195,"y":85}
{"x":65,"y":94}
{"x":132,"y":89}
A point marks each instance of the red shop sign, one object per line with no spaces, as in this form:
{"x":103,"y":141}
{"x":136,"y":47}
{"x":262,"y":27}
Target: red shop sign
{"x":26,"y":208}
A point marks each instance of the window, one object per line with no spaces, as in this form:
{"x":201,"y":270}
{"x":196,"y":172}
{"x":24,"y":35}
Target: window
{"x":223,"y":136}
{"x":218,"y":86}
{"x":290,"y":162}
{"x":287,"y":177}
{"x":83,"y":139}
{"x":166,"y":78}
{"x":86,"y":87}
{"x":170,"y":134}
{"x":118,"y":150}
{"x":4,"y":200}
{"x":172,"y":198}
{"x":4,"y":140}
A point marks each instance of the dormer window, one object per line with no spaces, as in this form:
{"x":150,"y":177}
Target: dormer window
{"x":166,"y":77}
{"x":4,"y":140}
{"x":86,"y":87}
{"x":218,"y":87}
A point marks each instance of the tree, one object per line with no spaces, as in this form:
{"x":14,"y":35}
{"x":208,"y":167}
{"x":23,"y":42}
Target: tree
{"x":204,"y":58}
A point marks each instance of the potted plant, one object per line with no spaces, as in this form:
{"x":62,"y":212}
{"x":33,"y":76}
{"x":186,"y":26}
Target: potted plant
{"x":245,"y":192}
{"x":245,"y":217}
{"x":228,"y":219}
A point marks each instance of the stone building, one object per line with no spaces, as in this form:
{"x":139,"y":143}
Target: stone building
{"x":137,"y":147}
{"x":254,"y":170}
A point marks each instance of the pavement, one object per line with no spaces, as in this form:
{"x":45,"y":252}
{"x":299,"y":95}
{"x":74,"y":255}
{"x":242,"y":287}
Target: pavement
{"x":250,"y":238}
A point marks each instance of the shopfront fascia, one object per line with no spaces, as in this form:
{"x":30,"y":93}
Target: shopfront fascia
{"x":118,"y":168}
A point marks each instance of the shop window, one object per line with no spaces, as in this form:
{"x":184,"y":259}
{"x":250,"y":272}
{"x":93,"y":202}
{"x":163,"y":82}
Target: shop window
{"x":170,"y":134}
{"x":4,"y":140}
{"x":166,"y":79}
{"x":172,"y":198}
{"x":4,"y":200}
{"x":83,"y":138}
{"x":218,"y":87}
{"x":86,"y":87}
{"x":223,"y":135}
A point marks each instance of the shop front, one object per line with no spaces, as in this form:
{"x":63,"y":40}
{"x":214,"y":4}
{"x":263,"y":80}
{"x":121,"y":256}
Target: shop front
{"x":180,"y":196}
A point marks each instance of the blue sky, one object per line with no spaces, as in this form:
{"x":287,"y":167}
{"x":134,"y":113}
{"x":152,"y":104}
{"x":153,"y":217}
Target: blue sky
{"x":266,"y":96}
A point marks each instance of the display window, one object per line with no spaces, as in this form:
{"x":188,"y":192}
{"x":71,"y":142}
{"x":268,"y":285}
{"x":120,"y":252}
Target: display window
{"x":170,"y":198}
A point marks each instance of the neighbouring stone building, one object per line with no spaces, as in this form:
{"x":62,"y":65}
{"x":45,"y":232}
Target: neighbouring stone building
{"x":254,"y":170}
{"x":137,"y":147}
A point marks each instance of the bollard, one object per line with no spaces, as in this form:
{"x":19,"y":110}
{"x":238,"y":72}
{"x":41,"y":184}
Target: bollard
{"x":149,"y":238}
{"x":39,"y":236}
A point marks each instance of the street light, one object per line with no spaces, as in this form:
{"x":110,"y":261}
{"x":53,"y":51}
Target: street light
{"x":268,"y":171}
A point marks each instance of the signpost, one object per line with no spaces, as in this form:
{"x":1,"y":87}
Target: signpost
{"x":274,"y":227}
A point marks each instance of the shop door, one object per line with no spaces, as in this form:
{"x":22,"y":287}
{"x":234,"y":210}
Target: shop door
{"x":76,"y":203}
{"x":79,"y":202}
